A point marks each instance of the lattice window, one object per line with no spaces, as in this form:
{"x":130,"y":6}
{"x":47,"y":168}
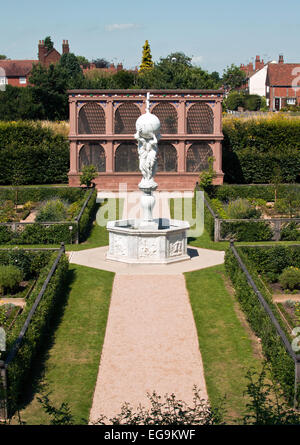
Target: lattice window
{"x":91,"y":119}
{"x":167,"y":115}
{"x":200,"y":119}
{"x":126,"y":158}
{"x":125,"y":118}
{"x":197,"y":157}
{"x":167,"y":157}
{"x":92,"y":154}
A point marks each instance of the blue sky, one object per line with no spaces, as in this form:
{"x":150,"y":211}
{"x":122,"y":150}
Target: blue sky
{"x":216,"y":33}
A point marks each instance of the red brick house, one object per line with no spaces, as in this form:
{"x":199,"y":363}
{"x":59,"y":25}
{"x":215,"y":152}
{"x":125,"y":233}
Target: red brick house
{"x":283,"y":84}
{"x":17,"y":72}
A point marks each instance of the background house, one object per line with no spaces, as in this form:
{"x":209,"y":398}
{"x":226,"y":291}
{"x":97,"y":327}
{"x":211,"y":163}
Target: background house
{"x":17,"y":72}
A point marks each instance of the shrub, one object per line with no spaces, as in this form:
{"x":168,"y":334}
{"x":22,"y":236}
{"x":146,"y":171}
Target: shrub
{"x":89,"y":173}
{"x":52,"y":210}
{"x":290,"y":278}
{"x":290,"y":232}
{"x":242,"y":209}
{"x":246,"y":231}
{"x":10,"y":278}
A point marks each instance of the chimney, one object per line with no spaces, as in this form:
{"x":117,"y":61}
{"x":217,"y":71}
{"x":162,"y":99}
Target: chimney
{"x":280,"y":58}
{"x":65,"y":47}
{"x":257,"y":63}
{"x":42,"y":51}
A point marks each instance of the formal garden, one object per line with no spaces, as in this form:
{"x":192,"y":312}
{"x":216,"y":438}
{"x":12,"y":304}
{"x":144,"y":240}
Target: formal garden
{"x":258,"y":204}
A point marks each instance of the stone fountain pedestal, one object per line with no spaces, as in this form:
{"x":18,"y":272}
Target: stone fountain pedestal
{"x":164,"y":243}
{"x":151,"y":241}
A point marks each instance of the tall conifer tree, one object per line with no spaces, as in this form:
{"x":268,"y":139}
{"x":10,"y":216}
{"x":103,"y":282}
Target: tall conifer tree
{"x":147,"y":62}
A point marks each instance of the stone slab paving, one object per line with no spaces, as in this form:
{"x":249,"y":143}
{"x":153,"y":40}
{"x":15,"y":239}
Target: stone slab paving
{"x":200,"y":259}
{"x":150,"y":344}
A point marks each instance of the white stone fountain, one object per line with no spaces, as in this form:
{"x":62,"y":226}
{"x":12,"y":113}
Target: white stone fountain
{"x":152,"y":241}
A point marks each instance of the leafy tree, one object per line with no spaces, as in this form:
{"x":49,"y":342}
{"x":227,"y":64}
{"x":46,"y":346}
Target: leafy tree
{"x":123,"y":79}
{"x":234,"y":100}
{"x":176,"y":71}
{"x":101,"y":63}
{"x":73,"y":72}
{"x":49,"y":90}
{"x":233,"y":77}
{"x":147,"y":62}
{"x":83,"y":61}
{"x":48,"y":43}
{"x":3,"y":57}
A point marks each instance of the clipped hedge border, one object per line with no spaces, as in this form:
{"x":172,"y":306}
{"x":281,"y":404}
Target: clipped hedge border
{"x":281,"y":362}
{"x":38,"y":330}
{"x":35,"y":154}
{"x":228,"y":192}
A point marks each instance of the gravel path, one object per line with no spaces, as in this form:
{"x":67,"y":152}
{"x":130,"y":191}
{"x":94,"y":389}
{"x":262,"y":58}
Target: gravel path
{"x":150,"y":344}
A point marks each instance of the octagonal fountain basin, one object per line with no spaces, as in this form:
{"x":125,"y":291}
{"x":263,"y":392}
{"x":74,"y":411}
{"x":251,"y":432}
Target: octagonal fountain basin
{"x":164,"y":241}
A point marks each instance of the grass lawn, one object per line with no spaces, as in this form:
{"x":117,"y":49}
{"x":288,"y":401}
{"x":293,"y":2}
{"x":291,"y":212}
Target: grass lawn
{"x":69,"y":363}
{"x":228,"y":347}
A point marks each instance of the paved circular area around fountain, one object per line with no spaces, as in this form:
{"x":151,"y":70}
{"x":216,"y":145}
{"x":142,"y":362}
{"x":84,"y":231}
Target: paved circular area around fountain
{"x":200,"y":259}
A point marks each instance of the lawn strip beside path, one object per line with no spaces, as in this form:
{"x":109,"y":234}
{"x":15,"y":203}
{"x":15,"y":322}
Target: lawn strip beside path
{"x":72,"y":362}
{"x":226,"y":343}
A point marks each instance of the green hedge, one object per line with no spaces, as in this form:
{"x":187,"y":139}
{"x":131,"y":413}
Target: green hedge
{"x":282,"y":364}
{"x":34,"y":154}
{"x":38,"y":330}
{"x":87,"y":217}
{"x":228,"y":192}
{"x":253,"y":149}
{"x":38,"y":194}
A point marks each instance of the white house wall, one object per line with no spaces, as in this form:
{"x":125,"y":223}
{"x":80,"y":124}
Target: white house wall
{"x":257,"y":82}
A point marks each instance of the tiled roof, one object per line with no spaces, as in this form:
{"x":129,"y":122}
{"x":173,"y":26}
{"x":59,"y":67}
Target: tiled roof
{"x":282,"y":73}
{"x":17,"y":68}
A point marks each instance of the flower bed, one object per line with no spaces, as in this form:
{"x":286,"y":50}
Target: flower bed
{"x":62,"y":214}
{"x":253,"y":213}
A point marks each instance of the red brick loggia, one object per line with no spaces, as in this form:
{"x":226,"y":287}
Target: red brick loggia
{"x":191,"y":131}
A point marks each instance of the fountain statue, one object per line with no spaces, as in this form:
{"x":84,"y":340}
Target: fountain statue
{"x":152,"y":241}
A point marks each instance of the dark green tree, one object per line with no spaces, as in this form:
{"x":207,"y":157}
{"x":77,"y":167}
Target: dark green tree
{"x":48,"y":43}
{"x":49,"y":90}
{"x":83,"y":61}
{"x":73,"y":72}
{"x":233,"y":77}
{"x":3,"y":57}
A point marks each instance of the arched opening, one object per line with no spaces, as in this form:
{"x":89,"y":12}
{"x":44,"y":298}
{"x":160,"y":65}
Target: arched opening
{"x":166,"y":157}
{"x":197,"y":157}
{"x":125,"y":118}
{"x":200,"y":119}
{"x":126,"y":158}
{"x":91,"y":119}
{"x":167,"y":115}
{"x":92,"y":154}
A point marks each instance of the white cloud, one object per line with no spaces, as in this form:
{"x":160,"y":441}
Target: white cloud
{"x":121,"y":26}
{"x":197,"y":59}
